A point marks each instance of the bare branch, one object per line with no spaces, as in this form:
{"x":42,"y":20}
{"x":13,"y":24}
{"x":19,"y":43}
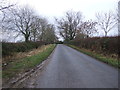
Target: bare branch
{"x":68,"y":25}
{"x":106,"y":21}
{"x":6,"y":7}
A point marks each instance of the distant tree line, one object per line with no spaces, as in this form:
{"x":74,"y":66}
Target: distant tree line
{"x":72,"y":26}
{"x":25,"y":22}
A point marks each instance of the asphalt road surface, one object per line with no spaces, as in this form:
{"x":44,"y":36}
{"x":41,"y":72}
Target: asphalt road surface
{"x":69,"y":68}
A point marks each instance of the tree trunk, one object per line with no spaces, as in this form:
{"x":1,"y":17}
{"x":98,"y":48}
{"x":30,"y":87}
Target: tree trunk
{"x":26,"y":38}
{"x":87,"y":36}
{"x":34,"y":38}
{"x":105,"y":34}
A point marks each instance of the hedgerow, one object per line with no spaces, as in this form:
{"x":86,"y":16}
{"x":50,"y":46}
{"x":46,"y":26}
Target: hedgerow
{"x":106,"y":45}
{"x":10,"y":48}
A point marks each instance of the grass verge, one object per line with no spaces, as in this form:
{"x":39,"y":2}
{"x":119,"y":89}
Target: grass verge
{"x":27,"y":63}
{"x":108,"y":60}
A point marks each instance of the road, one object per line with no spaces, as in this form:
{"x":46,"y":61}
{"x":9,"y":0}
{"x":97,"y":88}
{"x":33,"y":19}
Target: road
{"x":69,"y":68}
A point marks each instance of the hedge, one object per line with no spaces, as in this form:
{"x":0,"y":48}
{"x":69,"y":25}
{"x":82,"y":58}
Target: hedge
{"x":106,"y":45}
{"x":10,"y":48}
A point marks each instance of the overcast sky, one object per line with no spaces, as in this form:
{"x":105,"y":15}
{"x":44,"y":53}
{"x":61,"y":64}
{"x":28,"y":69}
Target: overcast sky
{"x":57,"y":8}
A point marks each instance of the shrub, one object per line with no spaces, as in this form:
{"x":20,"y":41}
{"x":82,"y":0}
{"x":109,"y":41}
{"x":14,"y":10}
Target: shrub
{"x":106,"y":45}
{"x":10,"y":48}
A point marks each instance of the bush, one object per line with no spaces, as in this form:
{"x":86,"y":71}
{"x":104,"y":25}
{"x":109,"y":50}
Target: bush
{"x":10,"y":48}
{"x":106,"y":45}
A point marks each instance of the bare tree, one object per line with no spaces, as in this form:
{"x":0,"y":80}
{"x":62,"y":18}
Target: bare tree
{"x":68,"y":25}
{"x":106,"y":21}
{"x":43,"y":25}
{"x":88,"y":28}
{"x":49,"y":34}
{"x":36,"y":28}
{"x":20,"y":20}
{"x":41,"y":30}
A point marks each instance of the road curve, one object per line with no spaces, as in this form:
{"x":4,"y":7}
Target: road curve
{"x":69,"y":68}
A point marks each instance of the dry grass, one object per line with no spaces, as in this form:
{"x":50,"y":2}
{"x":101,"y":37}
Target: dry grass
{"x":32,"y":59}
{"x":20,"y":55}
{"x":104,"y":58}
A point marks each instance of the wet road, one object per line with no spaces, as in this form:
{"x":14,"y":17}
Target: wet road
{"x":69,"y":68}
